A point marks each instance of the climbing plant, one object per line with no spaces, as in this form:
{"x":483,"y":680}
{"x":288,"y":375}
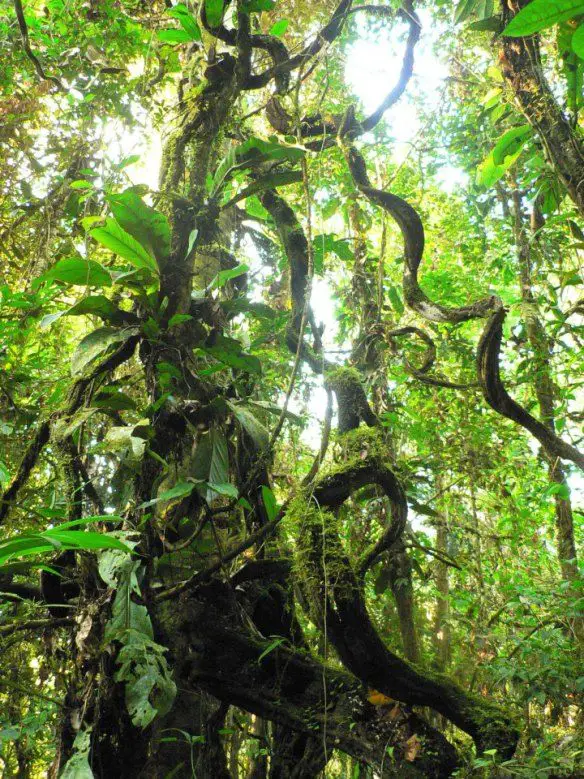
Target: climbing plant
{"x":291,"y":389}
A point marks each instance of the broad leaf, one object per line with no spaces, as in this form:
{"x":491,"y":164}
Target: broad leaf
{"x":79,"y":272}
{"x":180,"y":490}
{"x":273,"y":150}
{"x":113,"y":237}
{"x":279,"y":28}
{"x":214,"y":12}
{"x":270,"y":503}
{"x":228,"y":351}
{"x":148,"y":226}
{"x":96,"y":343}
{"x":578,"y":41}
{"x":251,"y":424}
{"x":187,"y":20}
{"x":211,"y":462}
{"x":540,"y":14}
{"x":174,"y":36}
{"x":224,"y":276}
{"x":510,"y":143}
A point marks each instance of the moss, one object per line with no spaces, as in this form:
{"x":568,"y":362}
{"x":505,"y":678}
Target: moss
{"x":356,"y":446}
{"x":494,"y":725}
{"x":320,"y":564}
{"x":344,"y":376}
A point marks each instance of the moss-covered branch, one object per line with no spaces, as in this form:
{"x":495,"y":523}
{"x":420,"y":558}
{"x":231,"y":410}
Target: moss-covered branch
{"x":293,"y":689}
{"x":333,"y":593}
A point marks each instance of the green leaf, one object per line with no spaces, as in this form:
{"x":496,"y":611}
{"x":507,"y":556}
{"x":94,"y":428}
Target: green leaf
{"x":178,"y":319}
{"x":507,"y":150}
{"x":492,"y":24}
{"x":224,"y":276}
{"x":188,"y":22}
{"x":210,"y":463}
{"x":93,"y":304}
{"x":31,"y":544}
{"x":255,"y":148}
{"x":252,"y":426}
{"x":214,"y":12}
{"x":226,"y":489}
{"x":270,"y":648}
{"x":192,"y":238}
{"x":113,"y":237}
{"x":81,"y":184}
{"x":257,"y":6}
{"x":561,"y":490}
{"x":464,"y":9}
{"x":81,"y":539}
{"x":97,"y":305}
{"x":578,"y":41}
{"x":77,"y":767}
{"x":127,"y":161}
{"x":180,"y":490}
{"x":272,"y":408}
{"x":279,"y":28}
{"x":510,"y":142}
{"x":270,"y":503}
{"x":96,"y":343}
{"x":395,"y":300}
{"x":228,"y":351}
{"x":540,"y":14}
{"x":255,"y":209}
{"x":148,"y":226}
{"x":268,"y":182}
{"x":174,"y":36}
{"x":482,"y":9}
{"x":78,"y":272}
{"x":112,"y":399}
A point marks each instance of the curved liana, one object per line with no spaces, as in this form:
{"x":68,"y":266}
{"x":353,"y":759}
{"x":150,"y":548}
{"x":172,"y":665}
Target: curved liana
{"x":499,"y":399}
{"x":412,"y":231}
{"x":334,"y":598}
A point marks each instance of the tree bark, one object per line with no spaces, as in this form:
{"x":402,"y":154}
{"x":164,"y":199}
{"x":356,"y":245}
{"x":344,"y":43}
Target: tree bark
{"x":522,"y":69}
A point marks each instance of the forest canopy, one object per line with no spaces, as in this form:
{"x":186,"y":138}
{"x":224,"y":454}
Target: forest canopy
{"x":291,"y":369}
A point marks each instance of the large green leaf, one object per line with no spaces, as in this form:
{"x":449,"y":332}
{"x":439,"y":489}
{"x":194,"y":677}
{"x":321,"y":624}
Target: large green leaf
{"x":56,"y":539}
{"x":214,"y":12}
{"x":96,"y":343}
{"x":464,"y":10}
{"x":228,"y":351}
{"x":95,"y":305}
{"x":272,"y":150}
{"x":510,"y":143}
{"x":148,"y":226}
{"x":114,"y":237}
{"x":274,"y":181}
{"x":251,"y":424}
{"x":77,"y":767}
{"x":503,"y":156}
{"x":270,"y":502}
{"x":211,"y":462}
{"x":187,"y":20}
{"x":79,"y":272}
{"x":174,"y":36}
{"x":180,"y":490}
{"x":539,"y":14}
{"x":224,"y":276}
{"x":578,"y":41}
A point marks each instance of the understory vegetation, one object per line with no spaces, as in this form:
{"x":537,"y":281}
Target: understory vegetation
{"x":291,"y":369}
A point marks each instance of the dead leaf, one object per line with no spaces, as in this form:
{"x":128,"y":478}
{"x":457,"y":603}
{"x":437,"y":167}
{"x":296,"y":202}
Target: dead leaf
{"x":413,"y":746}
